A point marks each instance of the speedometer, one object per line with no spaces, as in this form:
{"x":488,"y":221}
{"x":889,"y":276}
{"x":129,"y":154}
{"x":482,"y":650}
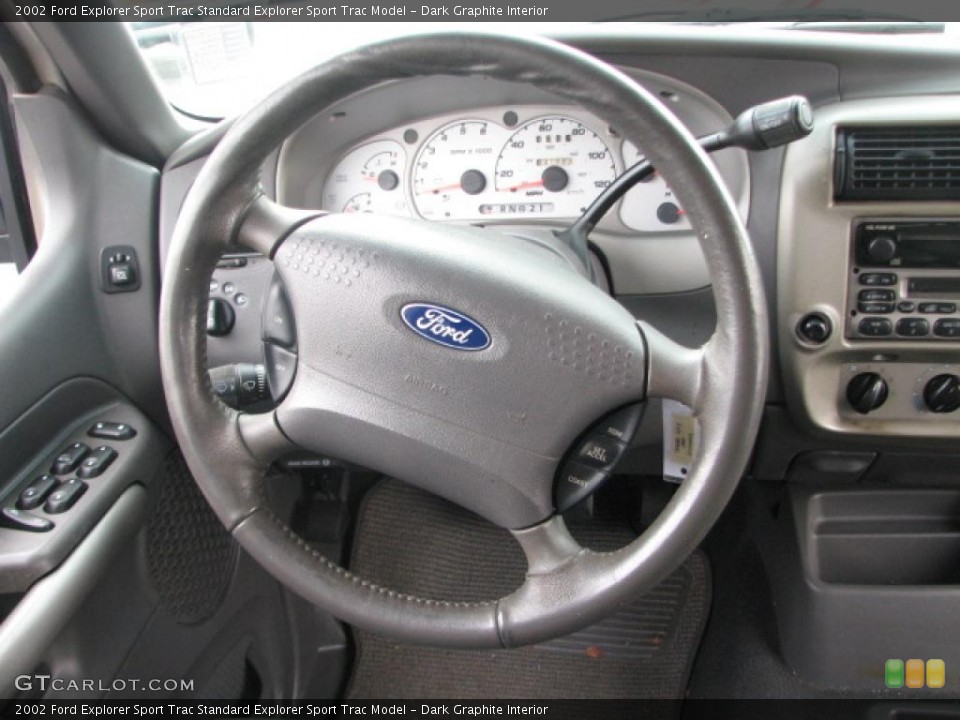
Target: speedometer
{"x":556,"y":162}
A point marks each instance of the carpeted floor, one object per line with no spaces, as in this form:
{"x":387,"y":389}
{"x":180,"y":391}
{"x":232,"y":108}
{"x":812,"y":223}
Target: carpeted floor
{"x":417,"y":543}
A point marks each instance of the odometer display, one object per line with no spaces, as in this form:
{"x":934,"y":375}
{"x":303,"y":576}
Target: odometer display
{"x":557,"y":161}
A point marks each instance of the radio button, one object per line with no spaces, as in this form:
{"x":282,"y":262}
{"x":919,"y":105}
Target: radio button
{"x":907,"y":307}
{"x":948,"y":328}
{"x":875,"y":308}
{"x":875,"y":327}
{"x":868,"y":296}
{"x":934,"y":308}
{"x":913,"y":327}
{"x":881,"y":279}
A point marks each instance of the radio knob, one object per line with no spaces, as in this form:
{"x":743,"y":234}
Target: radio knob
{"x":942,"y":394}
{"x":882,"y":248}
{"x":867,"y":392}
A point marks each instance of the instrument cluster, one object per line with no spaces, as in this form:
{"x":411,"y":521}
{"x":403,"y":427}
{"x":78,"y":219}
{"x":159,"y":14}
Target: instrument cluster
{"x":503,"y":163}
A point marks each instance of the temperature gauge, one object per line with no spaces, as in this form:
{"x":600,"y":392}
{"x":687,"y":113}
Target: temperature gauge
{"x":651,"y":205}
{"x":369,"y":179}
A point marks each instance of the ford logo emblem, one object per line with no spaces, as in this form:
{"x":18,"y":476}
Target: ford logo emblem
{"x":445,"y":326}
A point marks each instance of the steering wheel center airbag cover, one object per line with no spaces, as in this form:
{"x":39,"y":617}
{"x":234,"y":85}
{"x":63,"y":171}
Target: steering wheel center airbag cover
{"x":550,"y":354}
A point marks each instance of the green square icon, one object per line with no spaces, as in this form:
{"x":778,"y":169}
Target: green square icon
{"x":893,"y":673}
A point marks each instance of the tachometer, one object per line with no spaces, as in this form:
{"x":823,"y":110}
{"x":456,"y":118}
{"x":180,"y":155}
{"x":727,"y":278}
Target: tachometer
{"x":369,"y":179}
{"x":454,"y":167}
{"x":651,"y":205}
{"x":554,"y":161}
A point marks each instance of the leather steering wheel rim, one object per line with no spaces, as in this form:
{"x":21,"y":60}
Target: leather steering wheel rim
{"x":567,"y":587}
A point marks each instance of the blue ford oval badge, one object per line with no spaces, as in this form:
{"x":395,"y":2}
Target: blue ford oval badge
{"x":445,"y":326}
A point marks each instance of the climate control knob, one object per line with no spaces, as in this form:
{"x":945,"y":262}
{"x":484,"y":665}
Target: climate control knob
{"x":866,"y":392}
{"x":942,"y":394}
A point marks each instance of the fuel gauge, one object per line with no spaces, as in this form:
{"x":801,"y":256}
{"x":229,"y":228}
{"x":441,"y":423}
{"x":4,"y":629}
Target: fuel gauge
{"x":368,"y":179}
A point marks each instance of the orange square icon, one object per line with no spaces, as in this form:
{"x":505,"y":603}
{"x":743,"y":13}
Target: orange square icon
{"x":936,"y":673}
{"x":914,"y":674}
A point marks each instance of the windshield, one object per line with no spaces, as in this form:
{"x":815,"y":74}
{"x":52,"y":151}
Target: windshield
{"x":218,"y":69}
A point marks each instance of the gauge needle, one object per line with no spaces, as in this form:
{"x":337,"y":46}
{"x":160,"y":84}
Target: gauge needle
{"x":524,"y":185}
{"x":442,"y":188}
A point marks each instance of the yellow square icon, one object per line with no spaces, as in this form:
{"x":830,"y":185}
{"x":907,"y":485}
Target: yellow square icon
{"x":936,"y":673}
{"x":914,"y":673}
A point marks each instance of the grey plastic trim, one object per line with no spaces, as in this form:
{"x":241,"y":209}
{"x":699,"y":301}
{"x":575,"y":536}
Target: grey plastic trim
{"x":50,"y":603}
{"x":106,"y":73}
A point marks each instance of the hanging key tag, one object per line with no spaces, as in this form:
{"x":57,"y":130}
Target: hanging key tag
{"x":680,"y":437}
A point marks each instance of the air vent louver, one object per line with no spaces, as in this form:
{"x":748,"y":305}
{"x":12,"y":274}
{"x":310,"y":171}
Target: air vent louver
{"x":898,"y":163}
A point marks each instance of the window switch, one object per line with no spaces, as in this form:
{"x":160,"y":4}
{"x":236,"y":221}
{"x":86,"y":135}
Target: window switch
{"x":69,"y":458}
{"x":111,"y":431}
{"x":63,"y":498}
{"x":36,"y":492}
{"x":20,"y":520}
{"x":98,"y":461}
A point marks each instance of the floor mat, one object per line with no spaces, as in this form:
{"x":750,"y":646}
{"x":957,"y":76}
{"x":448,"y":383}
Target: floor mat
{"x":417,"y":543}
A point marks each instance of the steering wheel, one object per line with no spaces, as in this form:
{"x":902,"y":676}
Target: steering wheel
{"x":479,"y":400}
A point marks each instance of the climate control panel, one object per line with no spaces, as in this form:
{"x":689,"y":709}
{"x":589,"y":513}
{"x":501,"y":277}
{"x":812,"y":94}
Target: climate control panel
{"x":918,"y":392}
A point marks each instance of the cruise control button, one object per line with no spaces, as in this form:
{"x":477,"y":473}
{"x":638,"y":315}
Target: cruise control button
{"x":277,"y":322}
{"x":621,"y":425}
{"x":69,"y":458}
{"x":948,"y":327}
{"x":98,"y":461}
{"x":867,"y":296}
{"x":574,"y":483}
{"x":36,"y":492}
{"x":913,"y":327}
{"x":875,"y":308}
{"x":63,"y":498}
{"x":875,"y":279}
{"x":281,"y":369}
{"x":20,"y":520}
{"x":600,"y":452}
{"x":875,"y":327}
{"x":111,"y":431}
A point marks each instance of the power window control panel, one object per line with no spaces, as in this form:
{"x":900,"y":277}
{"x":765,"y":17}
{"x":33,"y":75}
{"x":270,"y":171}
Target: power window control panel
{"x":51,"y":494}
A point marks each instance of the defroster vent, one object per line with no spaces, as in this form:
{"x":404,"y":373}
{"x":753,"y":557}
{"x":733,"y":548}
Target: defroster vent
{"x":898,"y":163}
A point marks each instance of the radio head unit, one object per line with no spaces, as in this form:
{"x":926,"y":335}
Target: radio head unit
{"x":904,"y":280}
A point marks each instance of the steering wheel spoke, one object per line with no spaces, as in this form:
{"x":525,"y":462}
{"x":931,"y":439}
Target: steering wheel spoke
{"x":674,"y":370}
{"x":262,"y":436}
{"x":547,"y":546}
{"x":266,"y":223}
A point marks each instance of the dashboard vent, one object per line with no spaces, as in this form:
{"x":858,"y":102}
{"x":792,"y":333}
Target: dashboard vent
{"x":897,"y":163}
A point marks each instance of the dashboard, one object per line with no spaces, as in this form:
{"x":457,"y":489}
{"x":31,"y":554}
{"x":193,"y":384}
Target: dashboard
{"x":477,"y":151}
